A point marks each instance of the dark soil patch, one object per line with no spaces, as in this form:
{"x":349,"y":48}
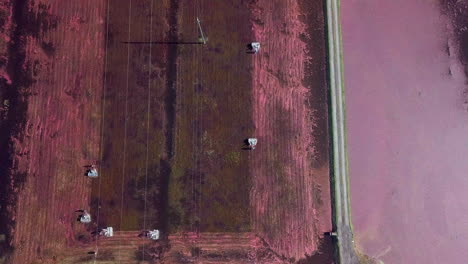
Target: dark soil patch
{"x":457,"y":11}
{"x":324,"y":255}
{"x":48,"y":48}
{"x":13,"y":126}
{"x":316,"y":77}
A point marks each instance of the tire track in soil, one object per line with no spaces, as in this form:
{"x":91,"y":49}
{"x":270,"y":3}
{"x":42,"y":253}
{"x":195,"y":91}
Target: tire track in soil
{"x":169,"y":107}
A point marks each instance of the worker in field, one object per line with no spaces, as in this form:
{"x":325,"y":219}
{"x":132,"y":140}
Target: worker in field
{"x":92,"y":171}
{"x":254,"y":47}
{"x":250,"y":143}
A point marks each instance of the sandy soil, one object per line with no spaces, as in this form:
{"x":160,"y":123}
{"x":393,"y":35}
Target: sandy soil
{"x":290,"y":196}
{"x":407,"y":124}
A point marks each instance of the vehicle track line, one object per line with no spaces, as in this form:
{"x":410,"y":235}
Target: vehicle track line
{"x":125,"y":121}
{"x":148,"y":122}
{"x":103,"y":110}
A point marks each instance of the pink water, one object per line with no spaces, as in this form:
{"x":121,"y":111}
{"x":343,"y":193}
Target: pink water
{"x":407,"y":132}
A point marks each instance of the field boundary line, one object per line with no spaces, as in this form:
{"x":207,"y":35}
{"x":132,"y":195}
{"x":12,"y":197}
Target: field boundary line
{"x":103,"y":107}
{"x":125,"y":122}
{"x":194,"y":133}
{"x":200,"y":130}
{"x":148,"y":122}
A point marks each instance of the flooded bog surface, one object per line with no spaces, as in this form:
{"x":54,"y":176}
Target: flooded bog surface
{"x":407,"y":131}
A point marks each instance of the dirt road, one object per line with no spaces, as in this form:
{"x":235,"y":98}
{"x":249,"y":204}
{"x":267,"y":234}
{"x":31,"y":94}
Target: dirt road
{"x":342,"y":215}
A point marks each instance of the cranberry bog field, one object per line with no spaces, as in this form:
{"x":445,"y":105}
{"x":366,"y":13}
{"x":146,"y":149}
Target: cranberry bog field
{"x":129,"y":86}
{"x":405,"y":71}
